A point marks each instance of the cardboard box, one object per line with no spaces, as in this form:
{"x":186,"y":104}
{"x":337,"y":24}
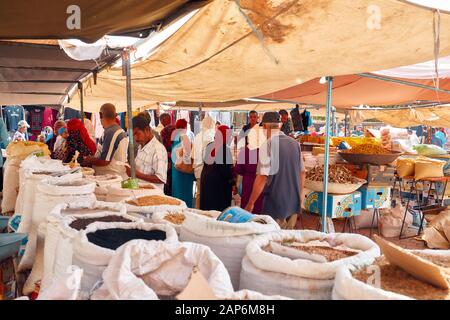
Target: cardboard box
{"x":375,"y":197}
{"x":338,"y":206}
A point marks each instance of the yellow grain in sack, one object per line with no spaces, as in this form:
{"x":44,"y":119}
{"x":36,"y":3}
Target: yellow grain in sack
{"x":428,"y":169}
{"x":405,"y":167}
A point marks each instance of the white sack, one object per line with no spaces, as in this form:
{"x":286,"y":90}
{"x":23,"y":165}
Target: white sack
{"x":227,"y":240}
{"x":144,"y":270}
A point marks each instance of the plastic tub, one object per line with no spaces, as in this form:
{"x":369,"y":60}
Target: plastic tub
{"x":10,"y":244}
{"x":3,"y":222}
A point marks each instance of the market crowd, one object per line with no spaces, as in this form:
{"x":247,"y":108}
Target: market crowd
{"x":267,"y":174}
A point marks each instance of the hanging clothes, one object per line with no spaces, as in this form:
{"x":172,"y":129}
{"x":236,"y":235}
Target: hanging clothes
{"x":307,"y":121}
{"x":98,"y":128}
{"x":49,"y":117}
{"x":70,"y":113}
{"x":12,"y":115}
{"x":36,"y":119}
{"x":297,"y":119}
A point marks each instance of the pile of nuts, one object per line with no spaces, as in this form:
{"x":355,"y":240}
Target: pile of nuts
{"x":336,"y":174}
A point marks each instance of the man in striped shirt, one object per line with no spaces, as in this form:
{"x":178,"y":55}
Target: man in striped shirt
{"x":151,"y":159}
{"x":113,"y":146}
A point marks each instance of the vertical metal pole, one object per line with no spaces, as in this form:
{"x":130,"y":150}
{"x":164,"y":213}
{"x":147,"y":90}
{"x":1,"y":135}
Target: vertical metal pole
{"x":346,"y":124}
{"x":126,"y":60}
{"x":334,"y":124}
{"x":80,"y":88}
{"x":326,"y":157}
{"x":200,"y":111}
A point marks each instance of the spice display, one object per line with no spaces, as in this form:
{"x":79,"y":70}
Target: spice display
{"x":395,"y":279}
{"x":153,"y":200}
{"x":367,"y":148}
{"x":336,"y":174}
{"x":175,"y":218}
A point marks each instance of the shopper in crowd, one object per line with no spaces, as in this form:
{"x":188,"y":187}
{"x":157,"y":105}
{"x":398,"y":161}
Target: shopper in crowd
{"x":151,"y":159}
{"x":21,"y":133}
{"x":246,"y":166}
{"x":112,"y":147}
{"x":166,"y":139}
{"x":438,"y":138}
{"x":217,"y":175}
{"x":252,"y":121}
{"x":60,"y":147}
{"x":78,"y":139}
{"x":280,"y":174}
{"x":182,"y":182}
{"x":4,"y":139}
{"x":287,"y":126}
{"x":51,"y":142}
{"x":201,"y":140}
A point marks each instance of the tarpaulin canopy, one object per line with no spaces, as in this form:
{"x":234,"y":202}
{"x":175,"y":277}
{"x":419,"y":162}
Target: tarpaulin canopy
{"x":37,"y":19}
{"x":354,"y":90}
{"x":32,"y":73}
{"x":217,"y":56}
{"x":402,"y":118}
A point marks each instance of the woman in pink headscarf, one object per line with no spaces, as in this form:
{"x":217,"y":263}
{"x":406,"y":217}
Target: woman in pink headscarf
{"x":217,"y":175}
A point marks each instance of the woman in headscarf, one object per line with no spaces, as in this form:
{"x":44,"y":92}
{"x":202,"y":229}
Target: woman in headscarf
{"x":182,"y":183}
{"x":78,"y":140}
{"x":52,"y":139}
{"x":217,"y":175}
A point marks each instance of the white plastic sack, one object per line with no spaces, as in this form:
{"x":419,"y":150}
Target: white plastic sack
{"x":10,"y":184}
{"x":159,"y":216}
{"x":94,"y":259}
{"x":50,"y":193}
{"x":102,"y":182}
{"x":64,"y":287}
{"x":364,"y":219}
{"x":348,"y":288}
{"x":272,"y":274}
{"x":227,"y":240}
{"x":117,"y":194}
{"x":391,"y":221}
{"x":58,"y":251}
{"x":146,"y":270}
{"x":251,"y":295}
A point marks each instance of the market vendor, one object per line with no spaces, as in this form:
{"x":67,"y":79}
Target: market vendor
{"x":112,"y":147}
{"x":286,"y":126}
{"x":21,"y":133}
{"x":280,"y":175}
{"x":253,"y":121}
{"x":151,"y":159}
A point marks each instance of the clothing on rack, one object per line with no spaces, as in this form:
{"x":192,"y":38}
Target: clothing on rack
{"x":49,"y":117}
{"x":36,"y":119}
{"x":297,"y":119}
{"x":307,"y":121}
{"x":12,"y":115}
{"x":70,"y":113}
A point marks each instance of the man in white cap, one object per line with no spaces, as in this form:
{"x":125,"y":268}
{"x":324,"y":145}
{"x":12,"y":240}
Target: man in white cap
{"x":20,"y":134}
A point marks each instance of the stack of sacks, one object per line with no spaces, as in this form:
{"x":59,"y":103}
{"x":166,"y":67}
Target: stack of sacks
{"x":102,"y":182}
{"x":384,"y":281}
{"x":391,"y":221}
{"x":177,"y":218}
{"x":49,"y":193}
{"x":118,"y":194}
{"x":227,"y":240}
{"x":17,"y":152}
{"x":305,"y":269}
{"x":150,"y":270}
{"x":146,"y":206}
{"x":94,"y":247}
{"x":420,"y":168}
{"x":64,"y":223}
{"x":437,"y":234}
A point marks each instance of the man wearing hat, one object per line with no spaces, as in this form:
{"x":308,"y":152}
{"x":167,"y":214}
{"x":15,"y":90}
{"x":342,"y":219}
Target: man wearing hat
{"x":20,"y":134}
{"x":280,"y":174}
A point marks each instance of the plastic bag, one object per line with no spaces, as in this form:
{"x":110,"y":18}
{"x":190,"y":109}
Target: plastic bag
{"x":429,"y":150}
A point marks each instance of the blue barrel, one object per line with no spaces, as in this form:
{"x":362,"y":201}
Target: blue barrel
{"x":235,"y":215}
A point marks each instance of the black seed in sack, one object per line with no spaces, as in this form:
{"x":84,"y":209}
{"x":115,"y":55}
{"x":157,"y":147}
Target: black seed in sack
{"x":114,"y":238}
{"x":82,"y":223}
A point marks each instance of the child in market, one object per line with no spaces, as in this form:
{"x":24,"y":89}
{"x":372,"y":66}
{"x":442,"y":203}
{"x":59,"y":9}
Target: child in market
{"x":61,"y":139}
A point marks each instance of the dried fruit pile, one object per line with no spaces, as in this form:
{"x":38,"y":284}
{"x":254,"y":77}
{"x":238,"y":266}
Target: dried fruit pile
{"x":336,"y":174}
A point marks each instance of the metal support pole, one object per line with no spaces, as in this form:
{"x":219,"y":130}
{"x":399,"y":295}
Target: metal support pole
{"x":346,"y":124}
{"x":127,"y":62}
{"x":326,"y":157}
{"x":80,"y":88}
{"x":334,"y":124}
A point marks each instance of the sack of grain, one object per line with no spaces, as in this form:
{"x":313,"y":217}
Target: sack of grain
{"x":50,"y":192}
{"x":391,"y":221}
{"x":405,"y":167}
{"x":429,"y":169}
{"x":177,"y":217}
{"x":145,"y":206}
{"x":227,"y":240}
{"x":383,"y":275}
{"x":102,"y":182}
{"x":293,"y":273}
{"x":150,"y":270}
{"x":94,"y":247}
{"x":364,"y":219}
{"x":64,"y":223}
{"x":16,"y":152}
{"x":117,"y":194}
